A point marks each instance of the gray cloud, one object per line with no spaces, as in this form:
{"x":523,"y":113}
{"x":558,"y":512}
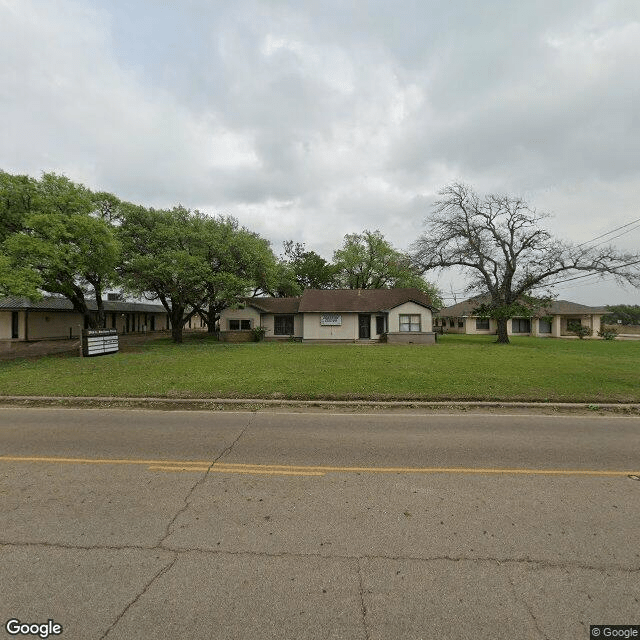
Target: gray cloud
{"x":309,"y":120}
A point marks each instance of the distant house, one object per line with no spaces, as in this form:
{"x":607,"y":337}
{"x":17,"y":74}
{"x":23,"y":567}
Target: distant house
{"x":335,"y":315}
{"x":54,"y":318}
{"x":559,"y":319}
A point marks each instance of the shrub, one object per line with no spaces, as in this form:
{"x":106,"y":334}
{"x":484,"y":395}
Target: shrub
{"x":607,"y":333}
{"x":582,"y":331}
{"x":258,"y":333}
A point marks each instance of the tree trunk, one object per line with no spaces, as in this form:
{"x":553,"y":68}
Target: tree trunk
{"x":177,"y":317}
{"x":503,"y":336}
{"x":212,"y":316}
{"x":101,"y":316}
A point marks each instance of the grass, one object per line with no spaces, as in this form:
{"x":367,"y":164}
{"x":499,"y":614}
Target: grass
{"x":457,"y":368}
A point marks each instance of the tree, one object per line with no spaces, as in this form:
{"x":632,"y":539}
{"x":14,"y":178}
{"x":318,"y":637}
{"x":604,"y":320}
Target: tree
{"x":625,"y":313}
{"x":309,"y":269}
{"x":368,"y":261}
{"x":17,"y":196}
{"x":238,"y":261}
{"x":498,"y":241}
{"x":57,"y":246}
{"x":162,"y":259}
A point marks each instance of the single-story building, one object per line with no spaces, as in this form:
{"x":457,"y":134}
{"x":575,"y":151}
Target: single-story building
{"x":335,"y":315}
{"x":557,"y":320}
{"x":54,"y":318}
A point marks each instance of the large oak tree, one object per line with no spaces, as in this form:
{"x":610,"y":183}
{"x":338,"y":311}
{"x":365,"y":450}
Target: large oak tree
{"x":500,"y":243}
{"x":55,"y":241}
{"x":368,"y":261}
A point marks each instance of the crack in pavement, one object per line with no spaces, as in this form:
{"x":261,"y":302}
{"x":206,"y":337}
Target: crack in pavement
{"x":535,"y":564}
{"x":158,"y":575}
{"x":528,"y":609}
{"x":200,"y":481}
{"x":363,"y":606}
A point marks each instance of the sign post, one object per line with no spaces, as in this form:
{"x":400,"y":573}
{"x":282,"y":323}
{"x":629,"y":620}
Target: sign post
{"x":99,"y":342}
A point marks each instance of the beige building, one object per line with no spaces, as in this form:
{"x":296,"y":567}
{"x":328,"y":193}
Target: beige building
{"x":335,"y":315}
{"x":558,"y":320}
{"x":53,"y":318}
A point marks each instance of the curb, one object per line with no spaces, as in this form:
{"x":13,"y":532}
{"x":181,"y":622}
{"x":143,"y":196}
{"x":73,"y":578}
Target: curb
{"x":257,"y":404}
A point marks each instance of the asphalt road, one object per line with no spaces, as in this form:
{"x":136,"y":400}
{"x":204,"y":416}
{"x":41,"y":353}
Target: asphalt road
{"x":143,"y":524}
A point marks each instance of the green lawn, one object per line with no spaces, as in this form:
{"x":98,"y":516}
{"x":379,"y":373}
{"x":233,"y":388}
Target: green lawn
{"x":458,"y":367}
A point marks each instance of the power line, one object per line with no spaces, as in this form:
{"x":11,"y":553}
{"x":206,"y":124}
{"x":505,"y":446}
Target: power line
{"x":610,"y":232}
{"x":614,"y":237}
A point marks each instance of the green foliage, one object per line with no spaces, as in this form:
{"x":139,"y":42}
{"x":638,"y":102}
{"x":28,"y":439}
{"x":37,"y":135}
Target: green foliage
{"x":626,"y":313}
{"x":189,"y":260}
{"x":368,"y":261}
{"x":582,"y":331}
{"x":258,"y":333}
{"x":608,"y":334}
{"x":56,"y":243}
{"x":18,"y":197}
{"x":163,"y":258}
{"x":309,"y":270}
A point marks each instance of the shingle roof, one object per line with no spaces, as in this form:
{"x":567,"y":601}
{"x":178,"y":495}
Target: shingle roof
{"x":52,"y":303}
{"x":556,"y":307}
{"x":360,"y":300}
{"x":274,"y":305}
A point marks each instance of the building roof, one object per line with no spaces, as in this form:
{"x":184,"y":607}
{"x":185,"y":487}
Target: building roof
{"x":274,"y":305}
{"x":360,"y":300}
{"x":557,"y":307}
{"x":53,"y":303}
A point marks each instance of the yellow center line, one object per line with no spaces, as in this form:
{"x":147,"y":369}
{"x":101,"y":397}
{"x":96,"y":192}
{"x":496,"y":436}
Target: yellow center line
{"x":205,"y":463}
{"x":249,"y":470}
{"x":309,"y":470}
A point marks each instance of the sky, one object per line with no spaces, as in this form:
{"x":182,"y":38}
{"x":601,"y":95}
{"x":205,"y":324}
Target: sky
{"x":310,"y":120}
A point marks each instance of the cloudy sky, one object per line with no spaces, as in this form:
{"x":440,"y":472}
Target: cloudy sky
{"x":310,"y":120}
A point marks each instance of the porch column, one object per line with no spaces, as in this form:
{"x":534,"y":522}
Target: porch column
{"x":556,"y":325}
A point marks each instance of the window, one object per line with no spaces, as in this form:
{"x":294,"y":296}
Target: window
{"x":521,"y":325}
{"x":409,"y":322}
{"x":239,"y":325}
{"x":573,"y":324}
{"x":451,"y":322}
{"x":482,"y":324}
{"x":114,"y":296}
{"x":379,"y":325}
{"x":283,"y":325}
{"x":460,"y":323}
{"x":544,"y":326}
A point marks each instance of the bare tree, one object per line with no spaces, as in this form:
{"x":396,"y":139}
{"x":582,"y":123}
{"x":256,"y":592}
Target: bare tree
{"x":498,"y":240}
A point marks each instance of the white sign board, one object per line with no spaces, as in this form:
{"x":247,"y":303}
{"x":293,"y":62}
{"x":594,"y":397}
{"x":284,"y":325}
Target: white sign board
{"x":98,"y":342}
{"x":331,"y":319}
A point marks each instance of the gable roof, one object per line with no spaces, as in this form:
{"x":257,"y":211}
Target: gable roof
{"x":274,"y":305}
{"x":53,"y":303}
{"x":360,"y":300}
{"x":557,"y":307}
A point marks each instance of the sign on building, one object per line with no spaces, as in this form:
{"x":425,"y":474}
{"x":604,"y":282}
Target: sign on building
{"x":98,"y":342}
{"x":331,"y":319}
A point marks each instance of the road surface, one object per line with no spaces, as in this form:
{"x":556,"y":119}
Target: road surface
{"x":149,"y":524}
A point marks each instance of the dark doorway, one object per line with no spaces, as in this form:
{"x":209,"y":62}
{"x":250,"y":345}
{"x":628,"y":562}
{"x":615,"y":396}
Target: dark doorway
{"x":15,"y":327}
{"x":364,"y":326}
